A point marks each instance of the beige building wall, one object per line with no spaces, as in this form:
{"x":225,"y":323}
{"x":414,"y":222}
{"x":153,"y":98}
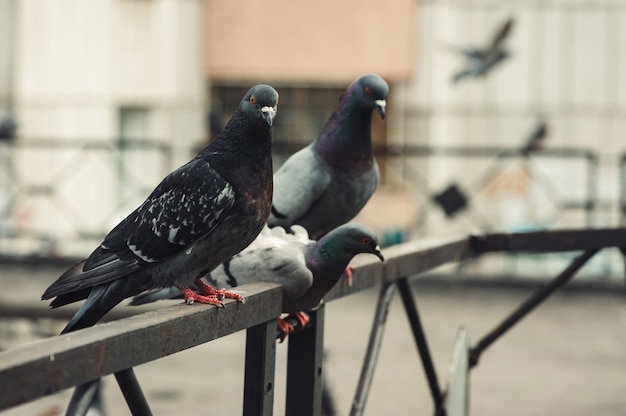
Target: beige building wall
{"x":7,"y":29}
{"x":101,"y":71}
{"x":321,"y":41}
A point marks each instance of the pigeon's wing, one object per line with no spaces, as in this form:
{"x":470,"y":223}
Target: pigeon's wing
{"x":472,"y":53}
{"x":499,"y":38}
{"x":299,"y":182}
{"x":275,"y":256}
{"x":463,"y":73}
{"x":184,"y":208}
{"x":283,"y":264}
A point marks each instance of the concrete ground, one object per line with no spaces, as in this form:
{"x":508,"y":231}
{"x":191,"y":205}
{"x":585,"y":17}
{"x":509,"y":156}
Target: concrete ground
{"x":567,"y":358}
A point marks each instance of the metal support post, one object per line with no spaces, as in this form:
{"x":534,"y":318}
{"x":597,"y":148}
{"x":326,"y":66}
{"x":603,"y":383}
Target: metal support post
{"x":132,"y":392}
{"x":422,"y":346}
{"x":373,"y":348}
{"x":304,"y":368}
{"x":258,"y":395}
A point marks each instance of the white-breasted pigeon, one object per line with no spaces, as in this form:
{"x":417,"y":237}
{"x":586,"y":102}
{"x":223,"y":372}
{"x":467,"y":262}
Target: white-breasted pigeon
{"x":306,"y":269}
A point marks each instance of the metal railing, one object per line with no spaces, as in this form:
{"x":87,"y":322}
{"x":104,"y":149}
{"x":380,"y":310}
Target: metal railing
{"x":116,"y":347}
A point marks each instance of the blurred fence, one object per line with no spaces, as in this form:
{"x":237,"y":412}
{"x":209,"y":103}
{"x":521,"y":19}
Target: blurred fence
{"x":87,"y":184}
{"x":492,"y":175}
{"x":116,"y":347}
{"x":55,"y":192}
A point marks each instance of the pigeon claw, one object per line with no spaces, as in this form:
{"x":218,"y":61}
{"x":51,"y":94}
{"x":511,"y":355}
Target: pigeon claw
{"x":220,"y":294}
{"x":231,"y":295}
{"x":284,"y":329}
{"x":191,"y":297}
{"x":302,"y":317}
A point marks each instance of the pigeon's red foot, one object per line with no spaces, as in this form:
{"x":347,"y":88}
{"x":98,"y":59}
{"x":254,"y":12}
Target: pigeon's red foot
{"x":208,"y":290}
{"x":285,"y":328}
{"x":348,"y":273}
{"x":302,"y":317}
{"x":191,"y":297}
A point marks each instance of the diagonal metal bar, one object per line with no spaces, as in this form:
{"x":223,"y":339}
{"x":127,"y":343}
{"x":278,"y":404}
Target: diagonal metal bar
{"x":258,"y":393}
{"x":422,"y":346}
{"x":528,"y":305}
{"x":373,"y":348}
{"x":304,"y":368}
{"x":132,"y":392}
{"x":456,"y":397}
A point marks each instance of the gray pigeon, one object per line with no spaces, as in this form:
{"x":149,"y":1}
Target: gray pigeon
{"x":197,"y":217}
{"x":479,"y":62}
{"x":328,"y":182}
{"x":306,"y":269}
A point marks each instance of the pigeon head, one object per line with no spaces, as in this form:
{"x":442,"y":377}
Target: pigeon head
{"x":372,"y":90}
{"x":261,"y":101}
{"x":348,"y":240}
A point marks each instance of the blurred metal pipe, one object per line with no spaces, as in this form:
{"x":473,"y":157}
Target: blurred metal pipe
{"x":373,"y":348}
{"x":530,"y":304}
{"x":422,"y":345}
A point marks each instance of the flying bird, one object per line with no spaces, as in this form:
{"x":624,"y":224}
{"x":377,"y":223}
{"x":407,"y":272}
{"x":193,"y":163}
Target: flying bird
{"x":535,"y":140}
{"x":306,"y":269}
{"x":480,"y":61}
{"x":197,"y":217}
{"x":328,"y":182}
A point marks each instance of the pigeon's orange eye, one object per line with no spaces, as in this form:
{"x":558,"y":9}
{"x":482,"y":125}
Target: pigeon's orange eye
{"x":365,"y":241}
{"x":367,"y":90}
{"x":252,"y":99}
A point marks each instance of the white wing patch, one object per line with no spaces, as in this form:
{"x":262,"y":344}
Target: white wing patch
{"x":227,"y":192}
{"x":171,"y":237}
{"x":139,"y":254}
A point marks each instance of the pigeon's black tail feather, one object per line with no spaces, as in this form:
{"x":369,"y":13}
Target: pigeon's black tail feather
{"x":72,"y":297}
{"x":75,"y":279}
{"x":101,"y":300}
{"x":156,"y":295}
{"x":75,"y":270}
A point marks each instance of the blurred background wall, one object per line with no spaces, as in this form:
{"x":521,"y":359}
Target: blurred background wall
{"x":109,"y":96}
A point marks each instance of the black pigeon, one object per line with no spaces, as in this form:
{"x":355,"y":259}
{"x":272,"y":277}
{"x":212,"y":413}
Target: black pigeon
{"x":328,"y":182}
{"x":481,"y":61}
{"x":197,"y":217}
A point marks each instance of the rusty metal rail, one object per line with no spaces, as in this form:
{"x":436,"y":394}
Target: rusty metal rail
{"x":115,"y":347}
